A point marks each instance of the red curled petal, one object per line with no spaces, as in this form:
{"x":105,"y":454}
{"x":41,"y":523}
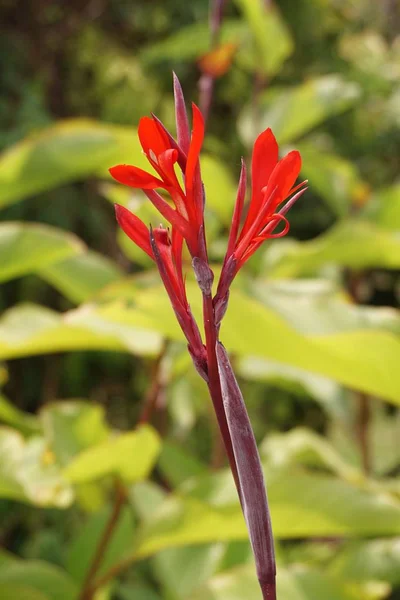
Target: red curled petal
{"x":285,"y":174}
{"x":135,"y":177}
{"x":152,"y":137}
{"x":134,"y":228}
{"x":273,"y":222}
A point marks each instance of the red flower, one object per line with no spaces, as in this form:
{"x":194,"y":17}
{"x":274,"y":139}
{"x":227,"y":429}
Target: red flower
{"x":272,"y":184}
{"x":163,"y":153}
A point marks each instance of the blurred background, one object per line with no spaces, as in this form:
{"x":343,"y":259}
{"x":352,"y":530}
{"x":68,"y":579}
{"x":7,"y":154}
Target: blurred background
{"x":93,"y":507}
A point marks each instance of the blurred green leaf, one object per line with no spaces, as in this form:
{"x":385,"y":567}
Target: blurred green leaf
{"x":317,"y":306}
{"x":26,"y":248}
{"x":68,"y":151}
{"x":71,"y":427}
{"x":178,"y":464}
{"x":293,"y":111}
{"x":384,"y":208}
{"x":356,"y":244}
{"x":28,"y":329}
{"x":335,"y":179}
{"x":191,"y":41}
{"x":130,"y":455}
{"x":132,"y":591}
{"x":272,"y":39}
{"x":360,"y":358}
{"x":39,"y":576}
{"x":302,"y":505}
{"x":22,"y":421}
{"x":369,"y":559}
{"x":28,"y":472}
{"x":300,"y":584}
{"x":82,"y":548}
{"x":81,"y":277}
{"x":14,"y":591}
{"x":304,"y":446}
{"x":182,"y":570}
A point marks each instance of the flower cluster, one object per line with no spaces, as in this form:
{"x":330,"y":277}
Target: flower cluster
{"x":273,"y":182}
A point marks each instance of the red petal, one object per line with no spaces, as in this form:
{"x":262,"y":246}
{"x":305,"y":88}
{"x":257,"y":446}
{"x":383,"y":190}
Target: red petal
{"x":264,"y":160}
{"x":135,"y":177}
{"x":152,"y":137}
{"x":285,"y":174}
{"x":192,"y":174}
{"x":134,"y":228}
{"x":182,"y":124}
{"x":237,"y":213}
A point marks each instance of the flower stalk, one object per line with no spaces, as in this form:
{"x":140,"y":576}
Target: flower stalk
{"x":273,"y":192}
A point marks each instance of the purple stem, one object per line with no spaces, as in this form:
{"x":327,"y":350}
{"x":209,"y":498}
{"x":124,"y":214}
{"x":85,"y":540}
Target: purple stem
{"x":254,"y":497}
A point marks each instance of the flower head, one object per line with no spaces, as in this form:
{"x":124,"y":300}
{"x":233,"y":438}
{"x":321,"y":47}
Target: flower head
{"x":163,"y":154}
{"x":272,"y":184}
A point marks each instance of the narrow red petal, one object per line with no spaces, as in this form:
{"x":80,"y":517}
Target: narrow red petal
{"x":285,"y":175}
{"x":134,"y":228}
{"x":182,"y":123}
{"x":152,"y":137}
{"x":264,"y":160}
{"x":192,"y":174}
{"x":135,"y":177}
{"x":237,"y":213}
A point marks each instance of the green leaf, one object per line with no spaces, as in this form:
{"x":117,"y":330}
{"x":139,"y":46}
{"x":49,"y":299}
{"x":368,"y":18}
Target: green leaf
{"x":361,"y":358}
{"x":71,"y":427}
{"x":11,"y":415}
{"x":81,"y":551}
{"x":17,"y":591}
{"x":26,"y":248}
{"x":191,"y":42}
{"x":68,"y":151}
{"x":132,"y":591}
{"x":304,"y":446}
{"x":318,"y":306}
{"x":293,"y":111}
{"x":28,"y":472}
{"x":182,"y":570}
{"x":81,"y":277}
{"x":353,"y":243}
{"x":301,"y":584}
{"x":130,"y":455}
{"x":29,"y":329}
{"x":335,"y":179}
{"x":41,"y":577}
{"x":273,"y":42}
{"x":384,"y":208}
{"x":177,"y":464}
{"x":302,"y":505}
{"x":369,"y":560}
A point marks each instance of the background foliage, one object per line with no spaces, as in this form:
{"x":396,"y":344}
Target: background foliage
{"x":88,"y":342}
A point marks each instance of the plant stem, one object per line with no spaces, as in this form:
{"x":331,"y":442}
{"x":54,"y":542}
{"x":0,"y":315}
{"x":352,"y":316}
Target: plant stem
{"x":214,"y":385}
{"x":88,"y":589}
{"x":268,"y":590}
{"x":157,"y":386}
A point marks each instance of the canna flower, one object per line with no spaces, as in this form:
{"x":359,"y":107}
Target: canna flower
{"x":163,"y":153}
{"x":272,"y":184}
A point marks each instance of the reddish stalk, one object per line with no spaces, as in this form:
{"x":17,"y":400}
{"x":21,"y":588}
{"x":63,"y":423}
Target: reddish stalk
{"x":214,"y":384}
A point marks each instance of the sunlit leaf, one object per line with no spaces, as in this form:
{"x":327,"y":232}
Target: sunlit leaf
{"x":272,"y":38}
{"x":68,"y":151}
{"x":130,"y":455}
{"x":80,"y":277}
{"x":40,"y":576}
{"x":293,"y":111}
{"x":356,"y":244}
{"x":71,"y":427}
{"x":28,"y":472}
{"x":27,"y":247}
